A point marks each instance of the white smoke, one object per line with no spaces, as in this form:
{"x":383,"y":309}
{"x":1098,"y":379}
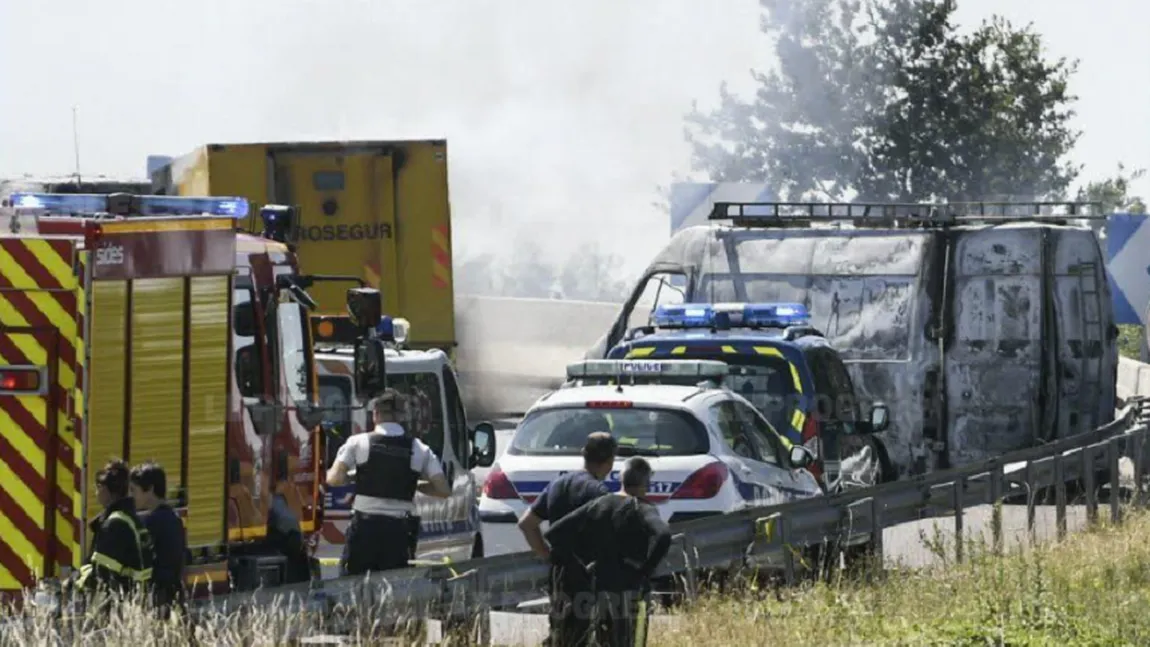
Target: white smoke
{"x":561,"y":117}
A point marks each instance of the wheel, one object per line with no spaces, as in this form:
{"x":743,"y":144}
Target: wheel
{"x":477,"y":546}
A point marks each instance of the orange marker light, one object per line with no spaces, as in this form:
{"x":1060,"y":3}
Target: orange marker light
{"x":325,"y":328}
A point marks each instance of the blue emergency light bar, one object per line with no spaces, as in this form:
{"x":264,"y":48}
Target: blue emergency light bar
{"x":731,"y":315}
{"x":616,"y":368}
{"x":70,"y":204}
{"x":395,"y":329}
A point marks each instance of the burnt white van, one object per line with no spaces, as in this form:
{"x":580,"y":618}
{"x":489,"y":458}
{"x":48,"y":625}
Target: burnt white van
{"x":985,"y":327}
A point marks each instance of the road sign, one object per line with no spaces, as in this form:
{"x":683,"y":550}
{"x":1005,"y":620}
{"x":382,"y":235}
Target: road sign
{"x":691,"y":202}
{"x":1128,"y":265}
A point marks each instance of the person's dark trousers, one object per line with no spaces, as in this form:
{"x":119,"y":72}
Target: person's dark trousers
{"x":376,"y":543}
{"x":624,"y":619}
{"x":572,"y":609}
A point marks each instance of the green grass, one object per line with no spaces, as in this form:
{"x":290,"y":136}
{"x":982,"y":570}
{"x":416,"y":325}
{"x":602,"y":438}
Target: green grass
{"x":1130,"y":341}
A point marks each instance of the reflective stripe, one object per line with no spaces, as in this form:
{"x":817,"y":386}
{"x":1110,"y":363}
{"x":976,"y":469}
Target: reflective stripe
{"x":640,"y":352}
{"x":729,"y":349}
{"x":679,"y":350}
{"x":641,"y":624}
{"x":100,"y":559}
{"x":774,"y":352}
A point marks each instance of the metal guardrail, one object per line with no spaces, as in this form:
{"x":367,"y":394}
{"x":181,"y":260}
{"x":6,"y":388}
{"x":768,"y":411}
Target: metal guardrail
{"x":754,"y":537}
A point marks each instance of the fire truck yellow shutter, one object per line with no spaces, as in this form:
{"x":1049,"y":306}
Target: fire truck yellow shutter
{"x":107,"y":381}
{"x":207,"y":411}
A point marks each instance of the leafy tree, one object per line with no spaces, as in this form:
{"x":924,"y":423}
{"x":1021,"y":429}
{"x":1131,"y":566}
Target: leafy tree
{"x":1114,"y":193}
{"x":884,"y":100}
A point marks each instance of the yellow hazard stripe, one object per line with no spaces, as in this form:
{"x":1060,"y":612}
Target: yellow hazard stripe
{"x":641,"y":352}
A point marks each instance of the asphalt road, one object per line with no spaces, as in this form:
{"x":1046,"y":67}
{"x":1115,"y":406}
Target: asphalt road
{"x":916,"y":544}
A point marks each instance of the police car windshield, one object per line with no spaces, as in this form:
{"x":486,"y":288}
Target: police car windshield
{"x":644,"y":431}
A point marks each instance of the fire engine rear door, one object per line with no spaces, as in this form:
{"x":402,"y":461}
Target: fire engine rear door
{"x":29,"y":406}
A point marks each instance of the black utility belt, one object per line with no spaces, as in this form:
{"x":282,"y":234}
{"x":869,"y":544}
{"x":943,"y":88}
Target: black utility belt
{"x":399,"y":516}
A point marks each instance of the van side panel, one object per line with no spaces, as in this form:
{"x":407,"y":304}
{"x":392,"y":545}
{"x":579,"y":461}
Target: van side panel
{"x":208,"y":301}
{"x":157,"y":377}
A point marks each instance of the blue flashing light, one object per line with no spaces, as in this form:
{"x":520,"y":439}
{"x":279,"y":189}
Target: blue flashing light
{"x":385,"y":328}
{"x":159,"y":205}
{"x":731,"y":315}
{"x":68,"y":204}
{"x":65,"y":204}
{"x":775,"y":315}
{"x":685,"y":315}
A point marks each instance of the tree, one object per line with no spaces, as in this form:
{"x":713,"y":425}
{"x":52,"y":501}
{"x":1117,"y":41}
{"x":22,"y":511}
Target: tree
{"x":1114,"y":193}
{"x":883,"y":100}
{"x":592,"y":275}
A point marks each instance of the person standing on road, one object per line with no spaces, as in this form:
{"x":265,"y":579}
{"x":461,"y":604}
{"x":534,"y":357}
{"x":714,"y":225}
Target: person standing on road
{"x":570,"y":588}
{"x":121,"y":557}
{"x":619,"y":541}
{"x":149,"y":488}
{"x":389,"y":462}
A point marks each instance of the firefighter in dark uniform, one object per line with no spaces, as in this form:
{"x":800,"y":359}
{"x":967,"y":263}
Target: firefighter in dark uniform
{"x":121,"y":557}
{"x":618,"y":541}
{"x":389,"y":462}
{"x":570,"y":588}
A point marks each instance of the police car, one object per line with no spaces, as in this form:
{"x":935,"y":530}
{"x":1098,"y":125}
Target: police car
{"x":787,"y":369}
{"x":710,"y":451}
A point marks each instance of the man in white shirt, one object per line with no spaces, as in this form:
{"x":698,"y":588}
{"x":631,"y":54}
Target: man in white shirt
{"x":388,"y":462}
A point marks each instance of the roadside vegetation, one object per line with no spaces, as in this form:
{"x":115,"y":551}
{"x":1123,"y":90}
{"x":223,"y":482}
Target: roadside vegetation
{"x":1130,"y":341}
{"x":1091,"y":589}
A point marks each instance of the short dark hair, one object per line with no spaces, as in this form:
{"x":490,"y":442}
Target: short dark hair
{"x":149,"y":476}
{"x":636,"y":472}
{"x":390,"y":403}
{"x":599,"y":448}
{"x":114,"y":476}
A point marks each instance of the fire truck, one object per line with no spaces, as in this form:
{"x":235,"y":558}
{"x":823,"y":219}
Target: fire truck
{"x":149,"y":328}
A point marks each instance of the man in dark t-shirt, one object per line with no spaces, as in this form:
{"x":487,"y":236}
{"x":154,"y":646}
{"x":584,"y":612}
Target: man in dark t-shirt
{"x":149,"y":490}
{"x":570,"y":622}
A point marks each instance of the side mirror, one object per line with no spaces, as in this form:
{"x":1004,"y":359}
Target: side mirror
{"x":309,"y":415}
{"x":801,"y":457}
{"x":244,"y":320}
{"x":370,"y":368}
{"x":483,"y":445}
{"x":879,"y":417}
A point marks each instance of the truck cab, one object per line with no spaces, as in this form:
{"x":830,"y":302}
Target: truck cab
{"x":450,"y":527}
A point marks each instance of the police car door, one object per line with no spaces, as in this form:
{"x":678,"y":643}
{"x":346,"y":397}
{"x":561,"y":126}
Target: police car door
{"x":773,"y":465}
{"x":464,"y":507}
{"x":752,"y":478}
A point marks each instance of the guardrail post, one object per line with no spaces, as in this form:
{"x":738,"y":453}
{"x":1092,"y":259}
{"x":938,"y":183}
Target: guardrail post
{"x":1139,"y":446}
{"x":784,"y":522}
{"x":691,"y":564}
{"x":997,"y":476}
{"x":1028,"y":476}
{"x":959,"y":541}
{"x":876,"y":528}
{"x":1087,"y":454}
{"x":1113,"y":456}
{"x":1060,"y":496}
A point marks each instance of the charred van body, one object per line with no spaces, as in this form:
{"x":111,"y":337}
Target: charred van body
{"x":983,"y":329}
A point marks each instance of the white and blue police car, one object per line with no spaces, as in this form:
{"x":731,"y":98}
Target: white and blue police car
{"x":711,"y":451}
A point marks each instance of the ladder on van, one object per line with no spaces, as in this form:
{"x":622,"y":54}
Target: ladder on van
{"x":1092,"y":343}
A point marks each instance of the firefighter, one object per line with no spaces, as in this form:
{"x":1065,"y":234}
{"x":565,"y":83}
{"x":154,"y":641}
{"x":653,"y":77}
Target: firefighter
{"x":618,"y":541}
{"x":389,"y":462}
{"x":121,"y":557}
{"x":149,"y":491}
{"x":570,"y":622}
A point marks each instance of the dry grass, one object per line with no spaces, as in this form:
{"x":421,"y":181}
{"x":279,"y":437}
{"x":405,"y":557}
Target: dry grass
{"x":1092,"y":589}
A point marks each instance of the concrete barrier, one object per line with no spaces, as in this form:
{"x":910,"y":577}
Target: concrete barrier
{"x":1133,"y":378}
{"x":510,"y":350}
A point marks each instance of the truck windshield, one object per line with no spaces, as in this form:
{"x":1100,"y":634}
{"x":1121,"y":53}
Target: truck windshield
{"x":295,"y":351}
{"x":426,"y":398}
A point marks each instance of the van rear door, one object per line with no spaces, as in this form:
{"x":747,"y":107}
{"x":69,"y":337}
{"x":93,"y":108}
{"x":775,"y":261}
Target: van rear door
{"x":347,"y":222}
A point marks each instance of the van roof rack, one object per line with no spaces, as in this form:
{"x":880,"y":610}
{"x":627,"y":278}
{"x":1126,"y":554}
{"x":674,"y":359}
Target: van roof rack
{"x":900,"y":215}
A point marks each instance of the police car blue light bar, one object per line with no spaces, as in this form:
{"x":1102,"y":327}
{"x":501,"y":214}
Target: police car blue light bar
{"x":685,"y":315}
{"x":68,"y":204}
{"x":616,"y":368}
{"x":394,"y":329}
{"x":776,"y":315}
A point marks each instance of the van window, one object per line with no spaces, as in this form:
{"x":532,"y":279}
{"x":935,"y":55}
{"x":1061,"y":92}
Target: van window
{"x":247,"y":351}
{"x":335,"y":398}
{"x":425,"y":398}
{"x":456,"y":419}
{"x":835,"y":398}
{"x":725,"y":416}
{"x":663,"y":288}
{"x":761,"y":434}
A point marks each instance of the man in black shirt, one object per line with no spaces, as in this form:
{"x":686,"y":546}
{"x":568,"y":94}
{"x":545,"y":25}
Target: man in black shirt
{"x":149,"y":489}
{"x":570,"y":625}
{"x":619,"y":541}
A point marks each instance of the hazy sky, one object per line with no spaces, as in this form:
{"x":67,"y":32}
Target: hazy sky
{"x":561,"y":117}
